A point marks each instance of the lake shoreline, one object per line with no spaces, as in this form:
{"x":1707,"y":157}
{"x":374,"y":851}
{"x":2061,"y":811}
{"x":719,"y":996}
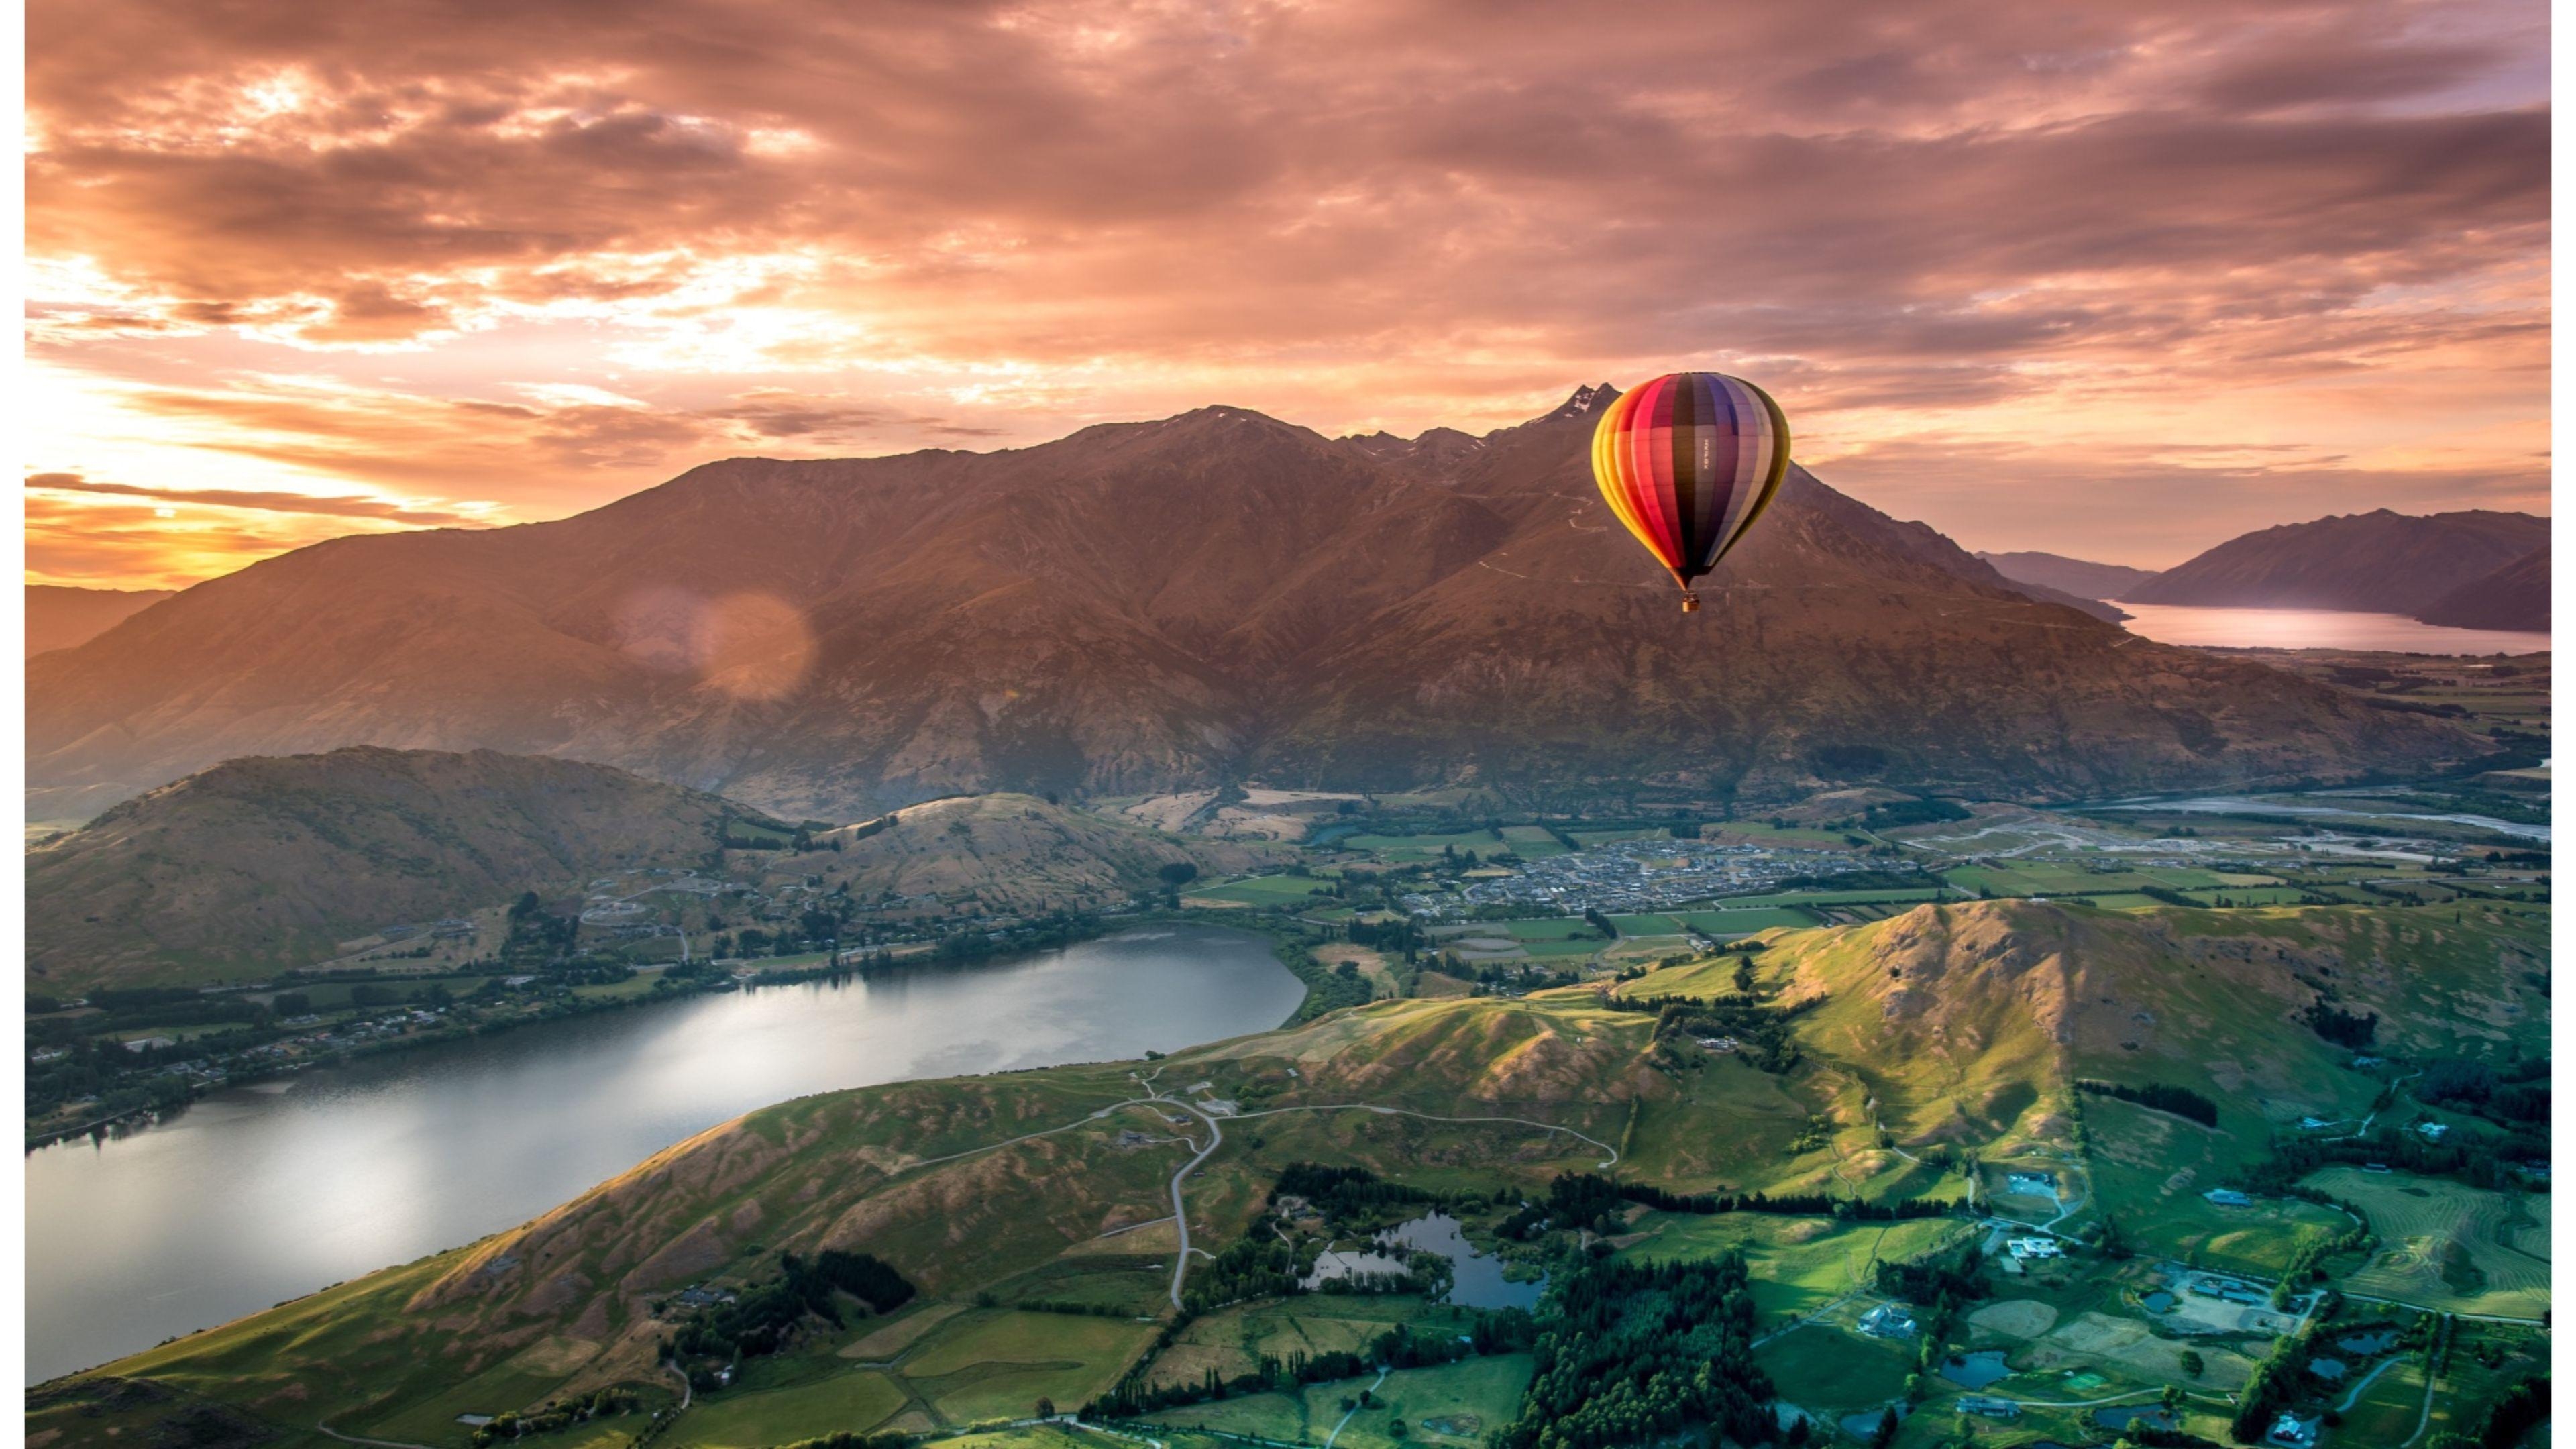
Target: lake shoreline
{"x":251,"y":1197}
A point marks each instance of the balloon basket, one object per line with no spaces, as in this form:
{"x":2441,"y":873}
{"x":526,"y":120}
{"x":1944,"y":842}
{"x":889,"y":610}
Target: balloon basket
{"x":1690,"y":602}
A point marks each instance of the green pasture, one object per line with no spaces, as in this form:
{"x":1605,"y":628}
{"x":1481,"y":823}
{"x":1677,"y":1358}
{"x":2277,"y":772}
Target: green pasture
{"x":1267,"y":890}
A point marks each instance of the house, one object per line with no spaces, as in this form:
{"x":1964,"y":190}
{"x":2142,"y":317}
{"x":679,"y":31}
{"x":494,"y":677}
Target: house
{"x":149,"y":1043}
{"x":2032,"y":1184}
{"x":2228,"y":1197}
{"x":1988,"y":1407}
{"x":1718,"y":1043}
{"x":2311,"y":1124}
{"x":2036,"y":1248}
{"x":2292,"y":1431}
{"x":1889,"y":1320}
{"x":2433,"y":1131}
{"x":2374,"y":1167}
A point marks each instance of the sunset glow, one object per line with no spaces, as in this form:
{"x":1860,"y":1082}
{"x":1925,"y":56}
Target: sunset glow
{"x":2113,"y":281}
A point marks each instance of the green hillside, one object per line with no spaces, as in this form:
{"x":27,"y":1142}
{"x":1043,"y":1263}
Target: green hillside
{"x":1908,"y":1059}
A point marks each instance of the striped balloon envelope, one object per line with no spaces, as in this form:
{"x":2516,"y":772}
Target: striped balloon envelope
{"x":1688,"y":461}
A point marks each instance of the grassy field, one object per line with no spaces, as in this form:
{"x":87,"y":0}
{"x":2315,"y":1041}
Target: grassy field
{"x":994,"y":1364}
{"x":1268,"y":890}
{"x":1797,"y":1263}
{"x":1741,"y":922}
{"x":1831,"y":1372}
{"x":2054,"y":878}
{"x":1826,"y":898}
{"x":1405,"y":849}
{"x":1456,"y":1404}
{"x":1532,"y":842}
{"x":748,"y":1417}
{"x":2446,"y":1245}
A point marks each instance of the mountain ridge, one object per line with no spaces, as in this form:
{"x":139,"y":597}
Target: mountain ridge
{"x":2381,"y":562}
{"x":1213,"y":596}
{"x":61,"y":615}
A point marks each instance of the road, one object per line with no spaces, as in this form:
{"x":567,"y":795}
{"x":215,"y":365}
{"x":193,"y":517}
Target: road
{"x":1355,"y":1408}
{"x":2367,"y":1379}
{"x":1180,"y":1214}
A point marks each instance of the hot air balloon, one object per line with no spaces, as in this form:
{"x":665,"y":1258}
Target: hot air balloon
{"x":1688,"y":461}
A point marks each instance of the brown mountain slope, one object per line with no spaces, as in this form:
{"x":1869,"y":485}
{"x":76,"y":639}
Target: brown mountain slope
{"x":2515,"y":596}
{"x":2080,"y":577}
{"x":1168,"y":604}
{"x":2380,"y":562}
{"x":60,"y":617}
{"x":259,"y":864}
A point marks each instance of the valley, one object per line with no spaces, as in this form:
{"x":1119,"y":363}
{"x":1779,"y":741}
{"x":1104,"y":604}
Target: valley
{"x":1853,"y":1090}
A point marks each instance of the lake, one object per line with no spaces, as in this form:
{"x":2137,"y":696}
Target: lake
{"x":266,"y":1193}
{"x":2319,"y":629}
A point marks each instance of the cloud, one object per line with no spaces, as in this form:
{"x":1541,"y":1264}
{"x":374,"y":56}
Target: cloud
{"x":334,"y":507}
{"x":810,"y":226}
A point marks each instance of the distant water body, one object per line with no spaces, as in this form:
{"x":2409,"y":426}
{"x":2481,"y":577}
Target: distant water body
{"x":2319,"y":629}
{"x":258,"y":1195}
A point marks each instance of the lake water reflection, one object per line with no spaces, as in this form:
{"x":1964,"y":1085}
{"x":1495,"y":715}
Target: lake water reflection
{"x":266,"y":1193}
{"x":2318,"y":629}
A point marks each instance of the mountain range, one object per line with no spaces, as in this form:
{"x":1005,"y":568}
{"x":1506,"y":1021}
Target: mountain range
{"x":59,"y":617}
{"x":1210,"y":597}
{"x":2379,"y":562}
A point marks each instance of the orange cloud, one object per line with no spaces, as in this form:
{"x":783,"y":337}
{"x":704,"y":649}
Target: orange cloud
{"x":1944,"y":231}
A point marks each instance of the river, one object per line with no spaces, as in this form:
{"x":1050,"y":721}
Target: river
{"x":2355,"y":820}
{"x":266,"y":1193}
{"x":2319,"y":629}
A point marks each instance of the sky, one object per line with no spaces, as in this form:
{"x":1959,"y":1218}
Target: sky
{"x":2116,"y":281}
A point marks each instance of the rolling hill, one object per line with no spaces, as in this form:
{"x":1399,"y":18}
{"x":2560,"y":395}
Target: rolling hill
{"x":260,"y":864}
{"x":59,"y":617}
{"x":1015,"y":853}
{"x":1959,"y":1026}
{"x":2379,"y":562}
{"x":2515,"y":596}
{"x":1212,"y":597}
{"x":266,"y":863}
{"x":2083,"y":579}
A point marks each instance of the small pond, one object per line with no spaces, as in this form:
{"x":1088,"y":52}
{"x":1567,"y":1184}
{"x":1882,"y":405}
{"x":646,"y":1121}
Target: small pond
{"x":1975,"y":1370}
{"x":2329,"y":1369}
{"x":1865,"y":1423}
{"x":2366,"y":1344}
{"x":2151,"y":1415}
{"x":1476,"y":1279}
{"x":2159,"y":1302}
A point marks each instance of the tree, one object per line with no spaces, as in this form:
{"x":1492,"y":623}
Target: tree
{"x":2192,"y":1363}
{"x":1886,"y":1435}
{"x":1046,"y":1408}
{"x":1179,"y":872}
{"x":1744,"y":976}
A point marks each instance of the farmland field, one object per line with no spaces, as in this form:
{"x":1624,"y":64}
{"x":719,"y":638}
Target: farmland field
{"x":2446,"y":1245}
{"x":1532,"y":842}
{"x":1797,"y":1263}
{"x":1406,"y":848}
{"x":992,"y":1365}
{"x":744,"y":1418}
{"x":1267,"y":890}
{"x":1457,"y":1404}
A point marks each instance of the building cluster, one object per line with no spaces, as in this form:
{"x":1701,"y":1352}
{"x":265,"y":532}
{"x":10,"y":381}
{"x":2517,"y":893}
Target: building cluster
{"x":1631,"y":876}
